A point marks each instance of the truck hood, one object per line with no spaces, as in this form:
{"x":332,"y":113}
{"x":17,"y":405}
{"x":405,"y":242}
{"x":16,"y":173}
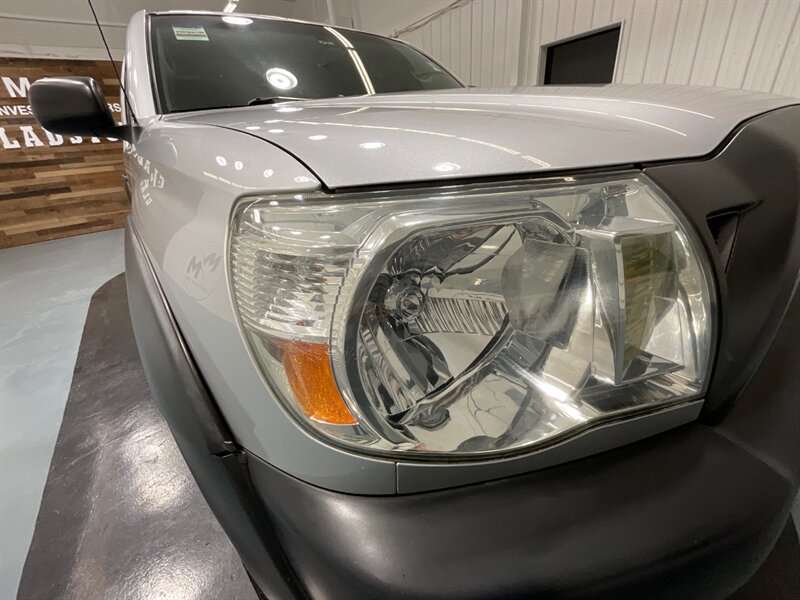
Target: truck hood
{"x":468,"y":133}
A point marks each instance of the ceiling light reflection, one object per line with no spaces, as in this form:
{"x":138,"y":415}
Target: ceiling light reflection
{"x":356,"y":58}
{"x":446,"y":167}
{"x":526,"y":157}
{"x":686,"y":110}
{"x":281,"y":78}
{"x":237,"y":20}
{"x":371,"y":145}
{"x":653,"y":124}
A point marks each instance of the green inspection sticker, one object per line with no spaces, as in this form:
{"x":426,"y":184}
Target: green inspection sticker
{"x":190,"y":33}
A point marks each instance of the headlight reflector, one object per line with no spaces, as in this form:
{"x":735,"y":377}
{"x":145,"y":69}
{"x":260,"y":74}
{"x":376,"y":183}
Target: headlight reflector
{"x":473,"y":320}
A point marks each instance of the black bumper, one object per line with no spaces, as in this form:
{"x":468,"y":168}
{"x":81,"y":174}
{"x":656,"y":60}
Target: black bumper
{"x":687,"y":514}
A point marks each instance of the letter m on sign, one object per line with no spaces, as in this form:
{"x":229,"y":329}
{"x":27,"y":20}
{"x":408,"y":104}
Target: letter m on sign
{"x":17,"y":89}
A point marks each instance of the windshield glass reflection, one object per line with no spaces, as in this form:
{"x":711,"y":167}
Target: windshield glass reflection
{"x":208,"y":61}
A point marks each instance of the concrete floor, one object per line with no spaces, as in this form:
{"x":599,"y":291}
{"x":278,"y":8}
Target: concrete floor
{"x":45,"y":290}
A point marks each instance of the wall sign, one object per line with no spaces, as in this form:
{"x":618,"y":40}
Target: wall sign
{"x":54,"y":186}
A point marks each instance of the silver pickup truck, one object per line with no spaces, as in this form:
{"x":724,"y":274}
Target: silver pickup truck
{"x":417,"y":340}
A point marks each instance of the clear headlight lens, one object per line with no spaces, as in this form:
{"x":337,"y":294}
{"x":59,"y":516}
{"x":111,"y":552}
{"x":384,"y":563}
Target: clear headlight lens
{"x":473,"y":320}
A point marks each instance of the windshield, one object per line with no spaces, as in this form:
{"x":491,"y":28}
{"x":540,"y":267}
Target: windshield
{"x":213,"y":61}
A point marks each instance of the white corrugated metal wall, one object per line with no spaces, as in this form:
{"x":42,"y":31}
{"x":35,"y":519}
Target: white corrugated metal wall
{"x":750,"y":44}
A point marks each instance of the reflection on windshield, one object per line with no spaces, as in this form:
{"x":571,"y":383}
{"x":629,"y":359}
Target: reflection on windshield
{"x":203,"y":61}
{"x":362,"y":72}
{"x":281,"y":78}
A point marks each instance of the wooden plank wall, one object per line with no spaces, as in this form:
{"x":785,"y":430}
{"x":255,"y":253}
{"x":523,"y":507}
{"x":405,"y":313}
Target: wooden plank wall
{"x":55,"y":186}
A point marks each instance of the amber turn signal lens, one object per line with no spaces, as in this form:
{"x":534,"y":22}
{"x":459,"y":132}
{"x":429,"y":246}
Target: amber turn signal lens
{"x":308,"y":368}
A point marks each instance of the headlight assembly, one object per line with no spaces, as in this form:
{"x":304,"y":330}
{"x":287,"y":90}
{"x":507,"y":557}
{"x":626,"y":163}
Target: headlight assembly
{"x":473,"y":320}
